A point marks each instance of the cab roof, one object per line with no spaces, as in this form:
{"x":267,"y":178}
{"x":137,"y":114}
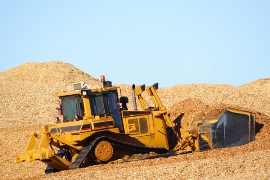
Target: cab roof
{"x":78,"y":92}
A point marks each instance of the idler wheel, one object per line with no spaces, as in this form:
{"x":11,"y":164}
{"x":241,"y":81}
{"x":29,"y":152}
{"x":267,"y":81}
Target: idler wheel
{"x":103,"y":151}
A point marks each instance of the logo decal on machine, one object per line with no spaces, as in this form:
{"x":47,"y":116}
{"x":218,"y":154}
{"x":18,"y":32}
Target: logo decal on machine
{"x":66,"y":129}
{"x":101,"y":125}
{"x":71,"y":128}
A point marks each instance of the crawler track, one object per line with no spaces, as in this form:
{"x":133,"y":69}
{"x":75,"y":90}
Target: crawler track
{"x":116,"y":143}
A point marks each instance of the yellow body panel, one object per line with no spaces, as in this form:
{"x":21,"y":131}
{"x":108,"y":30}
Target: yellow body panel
{"x":149,"y":130}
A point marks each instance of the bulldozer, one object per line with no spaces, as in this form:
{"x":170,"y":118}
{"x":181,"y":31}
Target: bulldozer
{"x":95,"y":126}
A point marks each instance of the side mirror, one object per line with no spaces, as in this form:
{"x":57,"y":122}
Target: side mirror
{"x":57,"y":120}
{"x":78,"y":117}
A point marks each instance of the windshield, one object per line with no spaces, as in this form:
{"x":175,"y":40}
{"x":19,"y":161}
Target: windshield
{"x":71,"y":106}
{"x":99,"y":104}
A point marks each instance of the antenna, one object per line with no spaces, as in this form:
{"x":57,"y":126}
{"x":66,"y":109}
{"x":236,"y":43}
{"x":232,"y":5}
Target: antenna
{"x":106,"y":72}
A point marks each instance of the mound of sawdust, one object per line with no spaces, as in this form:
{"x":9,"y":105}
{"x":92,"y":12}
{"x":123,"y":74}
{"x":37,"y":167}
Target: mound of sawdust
{"x":29,"y":92}
{"x":194,"y":109}
{"x":28,"y":99}
{"x":48,"y":72}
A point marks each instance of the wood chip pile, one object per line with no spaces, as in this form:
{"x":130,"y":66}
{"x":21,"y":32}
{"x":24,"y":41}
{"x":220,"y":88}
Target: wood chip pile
{"x":28,"y":97}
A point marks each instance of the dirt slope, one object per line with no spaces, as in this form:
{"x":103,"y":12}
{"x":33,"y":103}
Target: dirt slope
{"x":28,"y":99}
{"x":28,"y":92}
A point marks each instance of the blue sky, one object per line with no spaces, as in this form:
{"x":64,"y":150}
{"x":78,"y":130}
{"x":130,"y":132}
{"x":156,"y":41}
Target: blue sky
{"x":142,"y":42}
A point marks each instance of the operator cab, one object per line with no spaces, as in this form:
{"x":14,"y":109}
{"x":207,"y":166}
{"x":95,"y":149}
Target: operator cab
{"x":84,"y":103}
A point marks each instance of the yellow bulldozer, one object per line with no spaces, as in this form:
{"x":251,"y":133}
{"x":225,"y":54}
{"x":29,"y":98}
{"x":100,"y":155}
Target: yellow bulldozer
{"x":95,"y":126}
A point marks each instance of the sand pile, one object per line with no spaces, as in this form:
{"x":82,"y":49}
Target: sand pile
{"x":28,"y":100}
{"x":29,"y":92}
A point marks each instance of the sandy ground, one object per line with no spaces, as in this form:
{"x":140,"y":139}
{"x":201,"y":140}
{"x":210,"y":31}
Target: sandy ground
{"x":28,"y":99}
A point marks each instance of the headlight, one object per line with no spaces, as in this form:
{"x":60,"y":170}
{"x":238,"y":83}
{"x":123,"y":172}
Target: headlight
{"x":84,"y":93}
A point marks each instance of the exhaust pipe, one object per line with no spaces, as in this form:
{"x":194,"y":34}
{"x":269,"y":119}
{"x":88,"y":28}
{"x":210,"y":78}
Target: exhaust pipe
{"x":134,"y":97}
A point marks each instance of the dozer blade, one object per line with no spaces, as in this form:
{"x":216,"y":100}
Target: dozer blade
{"x":232,"y":128}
